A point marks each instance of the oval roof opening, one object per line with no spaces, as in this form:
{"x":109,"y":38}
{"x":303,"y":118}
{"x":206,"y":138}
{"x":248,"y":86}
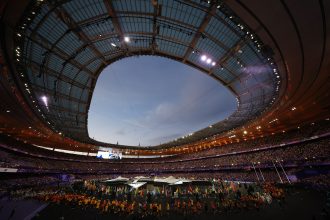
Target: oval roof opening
{"x":149,"y":100}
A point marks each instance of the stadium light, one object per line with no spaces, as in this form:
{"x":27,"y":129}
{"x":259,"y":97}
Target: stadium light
{"x":45,"y":100}
{"x":127,"y":39}
{"x":207,"y":60}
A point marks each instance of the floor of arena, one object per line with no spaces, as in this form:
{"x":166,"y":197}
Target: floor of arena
{"x":302,"y":204}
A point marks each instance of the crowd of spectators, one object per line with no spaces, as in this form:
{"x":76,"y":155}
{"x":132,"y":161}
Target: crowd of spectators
{"x":239,"y":161}
{"x":311,"y":153}
{"x":19,"y":182}
{"x":321,"y":181}
{"x":306,"y":131}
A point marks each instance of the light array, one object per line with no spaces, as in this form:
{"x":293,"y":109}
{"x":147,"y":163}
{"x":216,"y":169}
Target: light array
{"x":207,"y":60}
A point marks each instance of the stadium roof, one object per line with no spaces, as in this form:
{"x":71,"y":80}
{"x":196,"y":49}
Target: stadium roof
{"x":57,"y":49}
{"x":62,"y":46}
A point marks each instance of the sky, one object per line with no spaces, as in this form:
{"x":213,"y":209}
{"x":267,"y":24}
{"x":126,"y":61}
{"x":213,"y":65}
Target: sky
{"x":149,"y":100}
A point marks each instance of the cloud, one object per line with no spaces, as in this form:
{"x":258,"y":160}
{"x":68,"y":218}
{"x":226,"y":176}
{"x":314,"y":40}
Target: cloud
{"x":133,"y":123}
{"x":162,"y":112}
{"x":196,"y":106}
{"x":121,"y":132}
{"x":163,"y":139}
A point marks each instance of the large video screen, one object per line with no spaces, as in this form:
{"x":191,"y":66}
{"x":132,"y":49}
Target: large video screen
{"x":109,"y":155}
{"x":103,"y":154}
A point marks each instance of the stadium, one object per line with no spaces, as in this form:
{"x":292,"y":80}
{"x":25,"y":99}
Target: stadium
{"x":247,"y":136}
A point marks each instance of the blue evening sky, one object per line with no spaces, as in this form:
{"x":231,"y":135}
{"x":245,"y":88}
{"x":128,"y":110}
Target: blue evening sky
{"x":152,"y":100}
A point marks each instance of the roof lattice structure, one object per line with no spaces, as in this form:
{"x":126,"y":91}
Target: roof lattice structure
{"x":63,"y":46}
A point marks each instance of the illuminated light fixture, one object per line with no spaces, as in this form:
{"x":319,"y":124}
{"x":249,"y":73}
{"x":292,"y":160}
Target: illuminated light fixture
{"x":8,"y":111}
{"x":113,"y":44}
{"x":244,"y":132}
{"x":207,"y":60}
{"x":19,"y":35}
{"x":45,"y":100}
{"x":293,"y":108}
{"x":127,"y":39}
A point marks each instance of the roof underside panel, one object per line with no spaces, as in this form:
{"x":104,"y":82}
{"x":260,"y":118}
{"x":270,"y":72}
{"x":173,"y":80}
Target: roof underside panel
{"x":85,"y":9}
